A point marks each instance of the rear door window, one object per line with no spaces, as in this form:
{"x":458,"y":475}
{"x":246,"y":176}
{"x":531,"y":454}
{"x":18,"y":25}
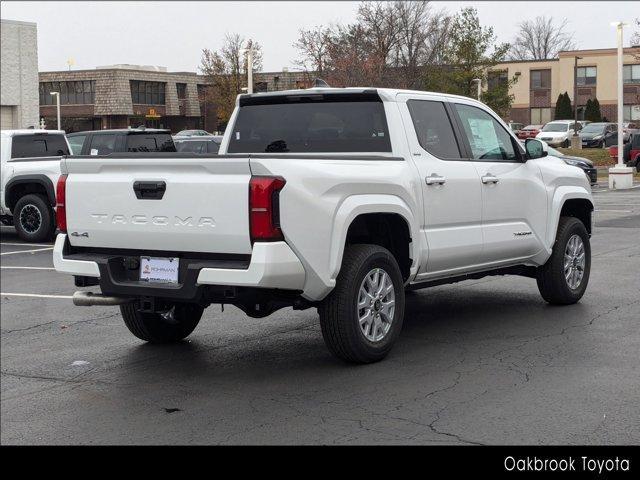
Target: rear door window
{"x":433,"y":128}
{"x":192,"y":147}
{"x":39,"y":145}
{"x":150,"y":143}
{"x":311,"y":123}
{"x":102,"y":144}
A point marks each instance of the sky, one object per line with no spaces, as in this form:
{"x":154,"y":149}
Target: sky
{"x":173,"y":34}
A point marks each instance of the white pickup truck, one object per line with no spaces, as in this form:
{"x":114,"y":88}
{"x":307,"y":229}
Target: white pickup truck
{"x":338,"y":199}
{"x":30,"y":167}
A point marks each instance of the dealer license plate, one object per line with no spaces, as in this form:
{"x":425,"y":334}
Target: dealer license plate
{"x":159,"y":269}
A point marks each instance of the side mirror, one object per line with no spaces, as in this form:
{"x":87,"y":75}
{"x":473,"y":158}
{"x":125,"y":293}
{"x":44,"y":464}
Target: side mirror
{"x":535,"y":148}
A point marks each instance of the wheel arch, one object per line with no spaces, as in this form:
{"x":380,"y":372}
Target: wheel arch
{"x":21,"y":185}
{"x":359,"y":217}
{"x":571,"y":202}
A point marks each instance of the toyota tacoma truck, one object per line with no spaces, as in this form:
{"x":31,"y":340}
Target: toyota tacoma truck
{"x":334,"y":199}
{"x":30,"y":167}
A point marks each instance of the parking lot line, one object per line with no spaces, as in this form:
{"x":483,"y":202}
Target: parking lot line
{"x":13,"y":244}
{"x":26,"y":268}
{"x":27,"y":251}
{"x":36,"y":295}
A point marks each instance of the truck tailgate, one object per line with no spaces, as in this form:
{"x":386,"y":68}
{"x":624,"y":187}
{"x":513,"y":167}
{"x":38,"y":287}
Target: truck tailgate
{"x":159,"y":203}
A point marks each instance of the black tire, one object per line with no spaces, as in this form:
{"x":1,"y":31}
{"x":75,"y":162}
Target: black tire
{"x":338,"y":312}
{"x":155,"y":328}
{"x":566,"y":144}
{"x":552,"y":283}
{"x":34,"y":219}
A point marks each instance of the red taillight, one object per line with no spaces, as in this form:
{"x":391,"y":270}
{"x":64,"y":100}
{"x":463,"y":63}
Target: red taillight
{"x":61,"y":211}
{"x":264,"y":208}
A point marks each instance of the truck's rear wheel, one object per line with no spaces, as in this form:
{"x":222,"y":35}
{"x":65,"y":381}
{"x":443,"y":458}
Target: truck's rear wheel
{"x":362,"y":317}
{"x":564,"y":278}
{"x":33,"y":218}
{"x":170,"y":326}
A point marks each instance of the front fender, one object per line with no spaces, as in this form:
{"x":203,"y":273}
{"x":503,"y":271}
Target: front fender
{"x":560,"y":196}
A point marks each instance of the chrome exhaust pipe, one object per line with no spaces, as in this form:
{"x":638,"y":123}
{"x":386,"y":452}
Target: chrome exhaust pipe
{"x":87,"y":299}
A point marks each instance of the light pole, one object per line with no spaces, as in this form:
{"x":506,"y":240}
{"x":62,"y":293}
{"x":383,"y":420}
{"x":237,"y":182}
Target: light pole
{"x":478,"y":82}
{"x":57,"y":95}
{"x":249,"y":52}
{"x":620,"y":176}
{"x":575,"y":139}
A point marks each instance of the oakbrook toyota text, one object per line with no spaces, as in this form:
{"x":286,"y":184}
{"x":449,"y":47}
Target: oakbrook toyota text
{"x":569,"y":464}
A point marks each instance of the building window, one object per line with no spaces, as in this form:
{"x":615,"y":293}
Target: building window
{"x":631,"y":73}
{"x":631,"y":112}
{"x":540,"y":79}
{"x":497,"y":79}
{"x":147,"y":93}
{"x":182,"y":90}
{"x":586,"y":75}
{"x":540,"y":116}
{"x":71,"y":93}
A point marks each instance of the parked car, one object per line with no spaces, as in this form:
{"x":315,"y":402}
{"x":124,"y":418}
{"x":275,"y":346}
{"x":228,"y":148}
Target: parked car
{"x":583,"y":163}
{"x":599,"y":135}
{"x":558,"y":133}
{"x":516,"y":127}
{"x":530,"y":131}
{"x":210,"y":144}
{"x":30,"y":166}
{"x":628,"y":128}
{"x":192,"y":133}
{"x":338,"y":203}
{"x":105,"y":142}
{"x":630,"y":153}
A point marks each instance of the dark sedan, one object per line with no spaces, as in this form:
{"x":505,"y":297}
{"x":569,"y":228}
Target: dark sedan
{"x":599,"y":135}
{"x":585,"y":164}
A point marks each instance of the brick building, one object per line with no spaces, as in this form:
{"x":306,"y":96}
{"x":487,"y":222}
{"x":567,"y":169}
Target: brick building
{"x":19,"y":65}
{"x":120,"y":96}
{"x":541,"y":81}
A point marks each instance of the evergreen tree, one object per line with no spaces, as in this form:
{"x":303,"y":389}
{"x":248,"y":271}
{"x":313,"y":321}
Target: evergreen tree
{"x":594,"y":115}
{"x":588,"y":110}
{"x":563,"y":107}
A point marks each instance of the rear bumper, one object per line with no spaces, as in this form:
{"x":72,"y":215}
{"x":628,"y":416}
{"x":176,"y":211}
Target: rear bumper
{"x":272,"y":265}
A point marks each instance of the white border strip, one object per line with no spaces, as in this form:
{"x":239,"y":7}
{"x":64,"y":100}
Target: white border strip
{"x":27,"y":251}
{"x":26,"y":268}
{"x":36,"y":295}
{"x":11,"y":244}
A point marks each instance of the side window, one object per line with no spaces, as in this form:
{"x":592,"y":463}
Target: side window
{"x":102,"y":144}
{"x":44,"y":145}
{"x":76,"y":143}
{"x":487,"y":138}
{"x":433,"y":128}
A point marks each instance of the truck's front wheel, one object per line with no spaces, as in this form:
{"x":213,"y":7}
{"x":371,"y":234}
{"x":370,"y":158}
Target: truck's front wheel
{"x":362,"y":317}
{"x":166,"y":327}
{"x":564,"y":278}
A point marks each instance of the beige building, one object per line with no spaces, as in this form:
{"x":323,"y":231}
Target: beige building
{"x":19,"y":73}
{"x":541,"y":81}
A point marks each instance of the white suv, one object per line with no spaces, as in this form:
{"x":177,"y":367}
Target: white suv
{"x":558,"y":133}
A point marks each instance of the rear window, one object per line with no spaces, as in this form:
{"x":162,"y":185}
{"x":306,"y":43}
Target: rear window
{"x":39,"y":145}
{"x":312,"y":123}
{"x":197,"y":146}
{"x":150,"y":143}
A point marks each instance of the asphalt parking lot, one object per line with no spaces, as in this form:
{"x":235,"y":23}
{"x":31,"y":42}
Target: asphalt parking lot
{"x":480,"y":362}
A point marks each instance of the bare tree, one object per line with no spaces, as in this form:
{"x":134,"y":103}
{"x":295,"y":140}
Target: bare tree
{"x":421,"y":36}
{"x":350,"y":61}
{"x":312,"y":45}
{"x":226,"y":72}
{"x":540,"y":39}
{"x":635,"y":38}
{"x":382,"y":27}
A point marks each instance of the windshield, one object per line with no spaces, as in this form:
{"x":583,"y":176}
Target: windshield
{"x":555,"y":127}
{"x":593,"y":128}
{"x":311,"y":124}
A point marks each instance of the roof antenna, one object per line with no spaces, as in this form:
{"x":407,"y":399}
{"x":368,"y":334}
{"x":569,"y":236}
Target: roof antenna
{"x":320,"y":83}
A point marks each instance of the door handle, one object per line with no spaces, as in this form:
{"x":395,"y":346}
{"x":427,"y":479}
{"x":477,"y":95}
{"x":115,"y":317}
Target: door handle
{"x":435,"y":179}
{"x":489,"y":178}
